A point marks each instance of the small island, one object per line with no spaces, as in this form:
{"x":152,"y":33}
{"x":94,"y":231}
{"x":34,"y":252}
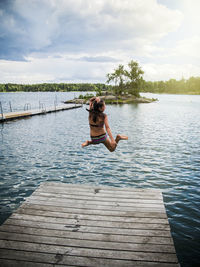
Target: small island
{"x":112,"y":99}
{"x":127,"y":85}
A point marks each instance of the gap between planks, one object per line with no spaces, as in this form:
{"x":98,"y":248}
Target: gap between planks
{"x":77,"y":225}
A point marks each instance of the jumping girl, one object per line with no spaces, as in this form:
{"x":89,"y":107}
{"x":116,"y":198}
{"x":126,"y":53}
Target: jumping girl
{"x":97,"y":120}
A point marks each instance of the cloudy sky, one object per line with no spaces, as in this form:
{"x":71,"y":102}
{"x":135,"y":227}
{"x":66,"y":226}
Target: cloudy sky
{"x":83,"y":40}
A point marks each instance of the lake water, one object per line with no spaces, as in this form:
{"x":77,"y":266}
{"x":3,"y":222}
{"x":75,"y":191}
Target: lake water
{"x":163,"y":152}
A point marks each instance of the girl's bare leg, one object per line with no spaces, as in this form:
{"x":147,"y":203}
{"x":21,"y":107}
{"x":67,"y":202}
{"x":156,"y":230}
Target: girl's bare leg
{"x":86,"y":143}
{"x":112,"y":146}
{"x":120,"y":137}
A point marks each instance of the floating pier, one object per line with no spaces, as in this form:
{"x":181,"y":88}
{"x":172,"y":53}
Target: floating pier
{"x":22,"y":114}
{"x":80,"y":225}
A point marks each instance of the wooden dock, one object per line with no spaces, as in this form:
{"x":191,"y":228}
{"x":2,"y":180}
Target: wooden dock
{"x":80,"y":225}
{"x":27,"y":113}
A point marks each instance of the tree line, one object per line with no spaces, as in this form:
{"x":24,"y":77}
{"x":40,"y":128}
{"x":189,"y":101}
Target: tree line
{"x":172,"y":86}
{"x":53,"y":87}
{"x":130,"y":81}
{"x":124,"y":81}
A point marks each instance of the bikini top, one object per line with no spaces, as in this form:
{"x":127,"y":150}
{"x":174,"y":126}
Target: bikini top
{"x":97,"y":125}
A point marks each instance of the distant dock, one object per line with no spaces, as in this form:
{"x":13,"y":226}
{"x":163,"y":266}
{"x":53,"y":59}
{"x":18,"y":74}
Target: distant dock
{"x":79,"y":225}
{"x":27,"y":113}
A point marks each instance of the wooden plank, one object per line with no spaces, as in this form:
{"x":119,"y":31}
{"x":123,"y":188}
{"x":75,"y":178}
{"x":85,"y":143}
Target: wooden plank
{"x":102,"y":194}
{"x":21,"y":263}
{"x":86,"y":236}
{"x":65,"y":213}
{"x":88,"y":229}
{"x":83,"y":205}
{"x":95,"y":202}
{"x":117,"y":192}
{"x":96,"y":197}
{"x":101,"y":187}
{"x":121,"y":225}
{"x":108,"y":190}
{"x":89,"y":220}
{"x":87,"y":252}
{"x":96,"y":212}
{"x":16,"y":115}
{"x":60,"y":259}
{"x":98,"y":244}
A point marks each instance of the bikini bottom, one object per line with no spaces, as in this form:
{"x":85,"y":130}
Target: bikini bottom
{"x":99,"y":139}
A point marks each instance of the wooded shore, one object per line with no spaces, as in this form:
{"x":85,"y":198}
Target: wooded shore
{"x":112,"y":99}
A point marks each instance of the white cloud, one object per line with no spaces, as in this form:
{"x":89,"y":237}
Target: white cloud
{"x":84,"y":24}
{"x":164,"y":72}
{"x":83,"y":40}
{"x":54,"y":69}
{"x":188,"y":48}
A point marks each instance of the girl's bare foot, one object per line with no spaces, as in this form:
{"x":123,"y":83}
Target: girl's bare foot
{"x":86,"y":143}
{"x":121,"y":137}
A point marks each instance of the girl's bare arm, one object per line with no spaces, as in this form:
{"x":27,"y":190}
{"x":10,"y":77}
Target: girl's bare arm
{"x":92,"y":100}
{"x":109,"y":130}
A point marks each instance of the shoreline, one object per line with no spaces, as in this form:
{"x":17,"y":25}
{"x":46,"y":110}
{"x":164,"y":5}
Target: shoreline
{"x":111,"y":99}
{"x":157,"y":93}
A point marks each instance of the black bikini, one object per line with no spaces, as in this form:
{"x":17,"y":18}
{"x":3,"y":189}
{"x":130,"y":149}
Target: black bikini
{"x":96,"y":125}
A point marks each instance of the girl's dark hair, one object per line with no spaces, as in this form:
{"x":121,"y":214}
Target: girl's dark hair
{"x":95,"y":111}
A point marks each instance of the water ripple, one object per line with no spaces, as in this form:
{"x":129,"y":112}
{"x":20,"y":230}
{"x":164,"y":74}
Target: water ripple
{"x":163,"y":151}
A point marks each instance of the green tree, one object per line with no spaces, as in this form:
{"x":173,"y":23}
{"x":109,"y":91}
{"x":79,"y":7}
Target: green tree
{"x":118,"y":76}
{"x":134,"y":78}
{"x":130,"y":80}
